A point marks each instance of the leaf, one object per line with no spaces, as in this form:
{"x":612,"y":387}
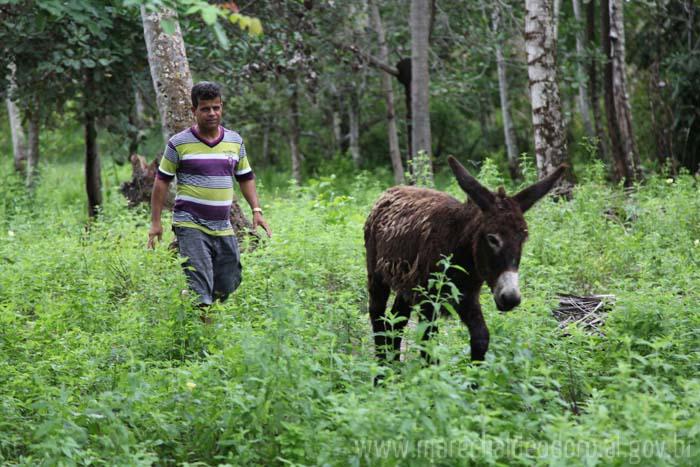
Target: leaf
{"x":193,"y":9}
{"x":209,"y":15}
{"x":255,"y":27}
{"x":221,"y":36}
{"x":244,"y":21}
{"x":448,"y":306}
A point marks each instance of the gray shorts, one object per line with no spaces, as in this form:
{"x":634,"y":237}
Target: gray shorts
{"x":213,"y":266}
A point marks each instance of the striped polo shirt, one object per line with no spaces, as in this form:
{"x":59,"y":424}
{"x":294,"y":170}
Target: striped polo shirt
{"x":205,"y":171}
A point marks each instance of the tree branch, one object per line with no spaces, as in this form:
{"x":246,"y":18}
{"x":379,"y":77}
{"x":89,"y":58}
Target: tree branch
{"x":372,"y":60}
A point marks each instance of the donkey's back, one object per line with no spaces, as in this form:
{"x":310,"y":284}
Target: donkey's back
{"x":407,"y":231}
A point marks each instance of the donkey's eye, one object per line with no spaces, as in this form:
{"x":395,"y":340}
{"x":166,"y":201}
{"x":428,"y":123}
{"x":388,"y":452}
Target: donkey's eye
{"x":494,"y":241}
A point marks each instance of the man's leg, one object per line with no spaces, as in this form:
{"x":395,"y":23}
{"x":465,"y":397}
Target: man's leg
{"x":227,"y":267}
{"x":196,"y":247}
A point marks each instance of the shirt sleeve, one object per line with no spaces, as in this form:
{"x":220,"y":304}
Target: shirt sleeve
{"x":168,"y":163}
{"x":243,"y":170}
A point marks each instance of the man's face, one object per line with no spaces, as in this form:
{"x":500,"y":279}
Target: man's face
{"x":208,"y":114}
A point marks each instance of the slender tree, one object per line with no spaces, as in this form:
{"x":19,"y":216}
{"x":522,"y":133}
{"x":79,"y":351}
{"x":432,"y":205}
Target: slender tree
{"x":547,"y":119}
{"x":392,"y":133}
{"x":294,"y":133}
{"x":620,"y":94}
{"x":420,"y":92}
{"x":93,"y":183}
{"x":508,"y":127}
{"x":623,"y":168}
{"x":19,"y":141}
{"x":592,"y":67}
{"x":33,"y":129}
{"x":137,"y":116}
{"x":336,"y":116}
{"x":659,"y":110}
{"x":354,"y":122}
{"x":583,"y":99}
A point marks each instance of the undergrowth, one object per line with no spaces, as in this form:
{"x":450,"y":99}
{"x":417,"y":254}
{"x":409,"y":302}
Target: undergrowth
{"x":103,"y":359}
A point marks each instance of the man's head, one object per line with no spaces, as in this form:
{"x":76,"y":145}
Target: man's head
{"x":204,"y":90}
{"x":207,"y":106}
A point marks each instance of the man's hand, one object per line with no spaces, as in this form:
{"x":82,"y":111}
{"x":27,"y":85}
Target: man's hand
{"x":156,"y":231}
{"x":259,"y":220}
{"x":160,"y":193}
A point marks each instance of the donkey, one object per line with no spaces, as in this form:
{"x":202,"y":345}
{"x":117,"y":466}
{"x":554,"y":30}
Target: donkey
{"x":410,"y":228}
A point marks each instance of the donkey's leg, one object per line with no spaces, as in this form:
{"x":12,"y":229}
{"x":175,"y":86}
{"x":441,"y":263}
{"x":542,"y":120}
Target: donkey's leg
{"x":428,"y":315}
{"x":402,"y":309}
{"x":470,"y":313}
{"x":378,"y":295}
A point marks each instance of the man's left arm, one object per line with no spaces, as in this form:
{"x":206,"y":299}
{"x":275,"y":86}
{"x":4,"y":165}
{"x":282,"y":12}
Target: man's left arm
{"x":251,"y":196}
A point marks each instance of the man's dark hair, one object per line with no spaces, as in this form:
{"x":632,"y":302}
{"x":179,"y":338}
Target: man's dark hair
{"x":204,"y":90}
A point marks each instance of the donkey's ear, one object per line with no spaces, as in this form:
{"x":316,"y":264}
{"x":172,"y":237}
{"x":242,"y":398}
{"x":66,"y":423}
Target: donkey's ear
{"x":471,"y":186}
{"x":530,"y":195}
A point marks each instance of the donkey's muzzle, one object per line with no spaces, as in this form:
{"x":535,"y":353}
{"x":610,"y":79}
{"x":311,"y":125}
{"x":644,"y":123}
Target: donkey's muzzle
{"x":506,"y":292}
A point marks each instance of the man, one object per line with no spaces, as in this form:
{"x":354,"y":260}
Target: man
{"x":205,"y":159}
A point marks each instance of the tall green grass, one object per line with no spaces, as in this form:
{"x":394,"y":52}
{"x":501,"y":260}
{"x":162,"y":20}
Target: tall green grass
{"x":103,"y":359}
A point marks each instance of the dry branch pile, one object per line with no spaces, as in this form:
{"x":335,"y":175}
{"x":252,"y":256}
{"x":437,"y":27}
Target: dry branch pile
{"x":588,"y":312}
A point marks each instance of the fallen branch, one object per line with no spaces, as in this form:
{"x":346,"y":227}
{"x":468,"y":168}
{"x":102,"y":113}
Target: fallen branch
{"x":587,"y":312}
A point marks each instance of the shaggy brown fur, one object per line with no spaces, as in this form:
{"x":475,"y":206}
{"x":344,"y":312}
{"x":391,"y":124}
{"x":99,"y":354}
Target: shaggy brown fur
{"x":408,"y":231}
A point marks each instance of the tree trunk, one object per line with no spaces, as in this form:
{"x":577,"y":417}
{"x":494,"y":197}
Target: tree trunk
{"x":93,"y":182}
{"x":14,"y":117}
{"x":556,"y":13}
{"x":550,"y":141}
{"x":623,"y":171}
{"x":622,"y":104}
{"x":170,"y":71}
{"x":392,"y":133}
{"x":603,"y":151}
{"x":484,"y":125}
{"x":404,"y":77}
{"x":420,"y":93}
{"x":508,"y":127}
{"x":583,"y":98}
{"x":34,"y":127}
{"x":661,"y":116}
{"x":337,"y":122}
{"x":354,"y":119}
{"x":294,"y":131}
{"x":660,"y":119}
{"x":19,"y":141}
{"x":136,"y":119}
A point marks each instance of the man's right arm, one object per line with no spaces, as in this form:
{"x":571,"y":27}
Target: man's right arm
{"x":158,"y":197}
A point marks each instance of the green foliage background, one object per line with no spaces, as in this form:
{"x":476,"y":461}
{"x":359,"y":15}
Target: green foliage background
{"x":103,"y":359}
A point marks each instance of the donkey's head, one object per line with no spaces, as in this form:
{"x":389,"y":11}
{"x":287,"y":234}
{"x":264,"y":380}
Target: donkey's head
{"x":498,"y":239}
